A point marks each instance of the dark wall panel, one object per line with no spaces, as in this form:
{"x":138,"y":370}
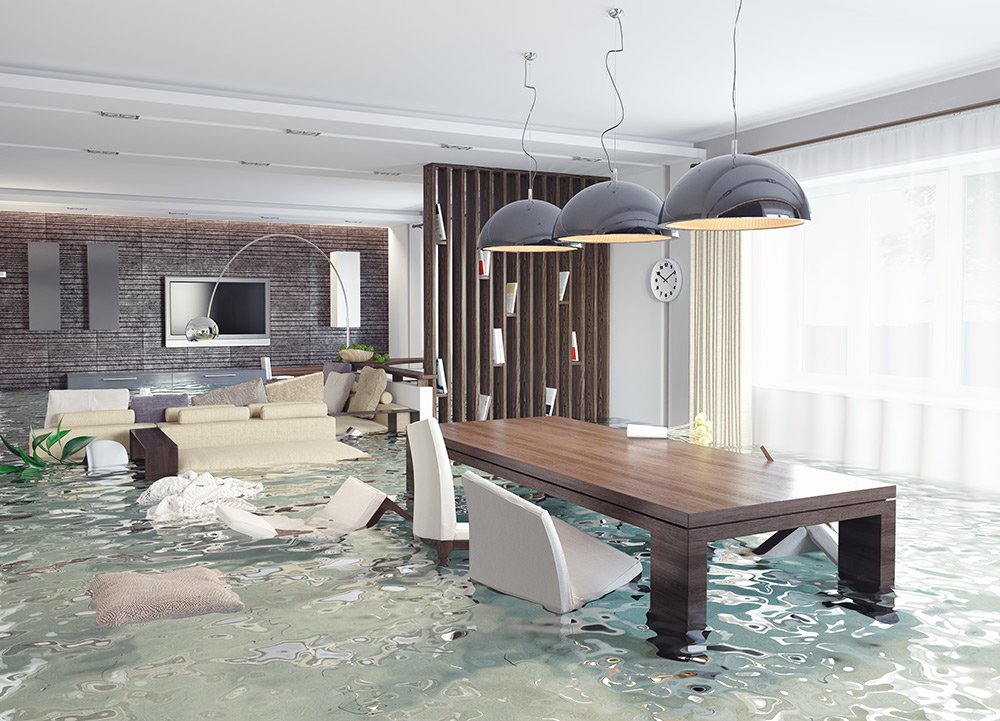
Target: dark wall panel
{"x":150,"y":248}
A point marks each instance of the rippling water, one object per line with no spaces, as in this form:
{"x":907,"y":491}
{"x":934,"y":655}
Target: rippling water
{"x":370,"y":627}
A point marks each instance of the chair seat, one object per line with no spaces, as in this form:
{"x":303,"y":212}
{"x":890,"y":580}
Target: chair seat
{"x":595,"y":568}
{"x":461,"y":532}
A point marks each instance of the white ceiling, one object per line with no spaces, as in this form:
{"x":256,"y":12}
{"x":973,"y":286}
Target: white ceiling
{"x":386,"y":83}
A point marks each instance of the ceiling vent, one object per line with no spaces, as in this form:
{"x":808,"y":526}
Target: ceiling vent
{"x":587,"y":160}
{"x":390,"y":173}
{"x":175,"y":212}
{"x":119,"y":116}
{"x":94,"y":151}
{"x":449,"y":146}
{"x":76,"y":207}
{"x":306,"y":133}
{"x":254,"y":163}
{"x":270,"y":217}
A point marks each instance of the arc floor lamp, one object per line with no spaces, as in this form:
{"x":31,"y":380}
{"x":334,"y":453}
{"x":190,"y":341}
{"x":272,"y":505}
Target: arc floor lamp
{"x":203,"y":328}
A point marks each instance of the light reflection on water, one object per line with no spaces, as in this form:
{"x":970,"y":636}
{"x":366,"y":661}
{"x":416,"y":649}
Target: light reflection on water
{"x":369,"y":626}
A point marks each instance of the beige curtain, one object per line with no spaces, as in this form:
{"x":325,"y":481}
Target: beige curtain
{"x":719,"y":343}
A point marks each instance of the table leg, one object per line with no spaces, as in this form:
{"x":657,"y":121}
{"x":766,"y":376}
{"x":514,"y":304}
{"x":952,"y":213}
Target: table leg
{"x":867,"y":554}
{"x":678,"y":592}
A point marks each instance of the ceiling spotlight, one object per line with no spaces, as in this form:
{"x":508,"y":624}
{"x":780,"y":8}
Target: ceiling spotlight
{"x":119,"y":116}
{"x":75,"y":207}
{"x":175,"y":212}
{"x":390,"y":173}
{"x":94,"y":151}
{"x":306,"y":133}
{"x":587,"y":160}
{"x":449,"y":146}
{"x":254,"y":163}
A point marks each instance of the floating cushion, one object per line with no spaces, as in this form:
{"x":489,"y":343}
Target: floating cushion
{"x":128,"y":597}
{"x":242,"y":394}
{"x":271,"y":411}
{"x":151,"y":409}
{"x":304,"y":388}
{"x":337,"y":390}
{"x":371,"y":386}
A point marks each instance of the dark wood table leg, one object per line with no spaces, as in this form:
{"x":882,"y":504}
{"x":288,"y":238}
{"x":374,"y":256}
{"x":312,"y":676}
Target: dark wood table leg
{"x":867,"y":553}
{"x":678,"y":592}
{"x":156,"y":449}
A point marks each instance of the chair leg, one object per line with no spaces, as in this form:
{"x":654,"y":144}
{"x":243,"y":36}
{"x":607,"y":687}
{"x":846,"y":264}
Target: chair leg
{"x":446,"y":547}
{"x":388,"y":505}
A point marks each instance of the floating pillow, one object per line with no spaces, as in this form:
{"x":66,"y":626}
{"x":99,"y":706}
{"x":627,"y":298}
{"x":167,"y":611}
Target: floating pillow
{"x":152,"y":409}
{"x":212,"y":414}
{"x":242,"y":394}
{"x":337,"y":390}
{"x":271,"y":411}
{"x":304,"y":388}
{"x":336,"y":367}
{"x":96,"y":418}
{"x":128,"y":597}
{"x":371,"y":385}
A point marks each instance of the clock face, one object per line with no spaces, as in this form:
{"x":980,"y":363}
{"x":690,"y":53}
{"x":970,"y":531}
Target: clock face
{"x":665,"y":279}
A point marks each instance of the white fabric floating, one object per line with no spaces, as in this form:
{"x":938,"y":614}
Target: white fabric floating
{"x":193,"y":497}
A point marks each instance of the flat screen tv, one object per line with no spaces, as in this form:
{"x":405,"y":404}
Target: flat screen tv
{"x":242,"y":308}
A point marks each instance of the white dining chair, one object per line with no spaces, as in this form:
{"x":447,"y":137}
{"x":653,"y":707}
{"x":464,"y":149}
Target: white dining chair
{"x":434,"y":517}
{"x":517,"y":548}
{"x":354,"y":506}
{"x":106,"y":456}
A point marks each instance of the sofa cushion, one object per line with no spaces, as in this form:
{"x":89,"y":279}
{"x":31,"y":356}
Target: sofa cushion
{"x":212,"y":414}
{"x":337,"y":390}
{"x":307,"y":388}
{"x":336,"y":367}
{"x":150,"y":409}
{"x":255,"y":430}
{"x":89,"y":399}
{"x":371,"y":385}
{"x":96,"y":418}
{"x":241,"y":394}
{"x":128,"y":597}
{"x":271,"y":411}
{"x":170,"y":414}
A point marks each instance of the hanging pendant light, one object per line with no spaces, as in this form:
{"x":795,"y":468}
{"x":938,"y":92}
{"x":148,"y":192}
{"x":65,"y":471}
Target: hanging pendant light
{"x":614,"y":211}
{"x":735,"y":192}
{"x":524,"y":226}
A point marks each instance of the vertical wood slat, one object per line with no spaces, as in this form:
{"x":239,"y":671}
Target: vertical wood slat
{"x":461,"y":310}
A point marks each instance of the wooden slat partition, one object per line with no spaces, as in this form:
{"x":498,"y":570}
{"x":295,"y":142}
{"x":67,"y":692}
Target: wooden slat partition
{"x":461,"y":310}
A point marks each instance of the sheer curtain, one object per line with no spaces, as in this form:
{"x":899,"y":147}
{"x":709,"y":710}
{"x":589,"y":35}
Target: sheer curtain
{"x":876,"y":328}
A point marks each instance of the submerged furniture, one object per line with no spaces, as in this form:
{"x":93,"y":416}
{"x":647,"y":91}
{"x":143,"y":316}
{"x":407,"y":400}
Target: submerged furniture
{"x":794,"y":542}
{"x":686,"y":496}
{"x":434,"y":517}
{"x":517,"y":548}
{"x":355,"y":505}
{"x":106,"y":456}
{"x":74,"y":401}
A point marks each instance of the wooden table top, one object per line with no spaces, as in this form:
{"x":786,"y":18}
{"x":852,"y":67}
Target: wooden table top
{"x":680,"y":483}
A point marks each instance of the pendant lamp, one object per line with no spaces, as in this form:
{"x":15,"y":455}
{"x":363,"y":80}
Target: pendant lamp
{"x":614,"y":211}
{"x":524,"y":226}
{"x":736,"y":191}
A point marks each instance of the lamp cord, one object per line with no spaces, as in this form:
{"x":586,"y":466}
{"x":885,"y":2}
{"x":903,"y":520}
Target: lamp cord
{"x":621,"y":104}
{"x":340,"y":282}
{"x":528,"y":57}
{"x":736,"y":22}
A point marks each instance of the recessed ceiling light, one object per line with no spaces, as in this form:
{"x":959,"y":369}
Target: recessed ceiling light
{"x":175,"y":212}
{"x":119,"y":116}
{"x":449,"y":146}
{"x":270,"y":217}
{"x":254,"y":163}
{"x":75,"y":207}
{"x":354,"y":222}
{"x":307,"y":133}
{"x":94,"y":151}
{"x":386,"y":172}
{"x":587,"y":160}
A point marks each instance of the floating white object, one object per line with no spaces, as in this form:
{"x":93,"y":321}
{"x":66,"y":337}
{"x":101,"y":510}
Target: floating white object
{"x":483,"y":411}
{"x":637,"y":430}
{"x":193,"y":497}
{"x":499,"y":356}
{"x":550,"y":401}
{"x":563,"y":280}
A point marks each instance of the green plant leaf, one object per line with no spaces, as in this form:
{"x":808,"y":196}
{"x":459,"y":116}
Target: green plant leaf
{"x":74,"y":445}
{"x":22,"y":455}
{"x":36,"y":441}
{"x":55,"y":438}
{"x":5,"y":470}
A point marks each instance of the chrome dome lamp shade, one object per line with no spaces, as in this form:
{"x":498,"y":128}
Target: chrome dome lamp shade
{"x":736,"y":191}
{"x":614,"y":211}
{"x":203,"y":328}
{"x":524,"y":226}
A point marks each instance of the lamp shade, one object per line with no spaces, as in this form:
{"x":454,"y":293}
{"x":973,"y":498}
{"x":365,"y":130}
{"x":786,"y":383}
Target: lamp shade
{"x":614,"y":211}
{"x":735,"y":192}
{"x":524,"y":226}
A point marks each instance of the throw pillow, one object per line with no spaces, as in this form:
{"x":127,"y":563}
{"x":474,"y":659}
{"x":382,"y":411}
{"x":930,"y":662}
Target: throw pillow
{"x":371,"y":385}
{"x":304,"y":388}
{"x":242,"y":394}
{"x":128,"y":597}
{"x":150,"y":409}
{"x":336,"y":367}
{"x":337,"y":390}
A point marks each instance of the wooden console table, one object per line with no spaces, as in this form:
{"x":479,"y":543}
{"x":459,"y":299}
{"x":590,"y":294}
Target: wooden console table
{"x":155,"y":450}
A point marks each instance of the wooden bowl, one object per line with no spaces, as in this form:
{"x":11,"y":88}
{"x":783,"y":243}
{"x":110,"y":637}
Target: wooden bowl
{"x":354,"y":355}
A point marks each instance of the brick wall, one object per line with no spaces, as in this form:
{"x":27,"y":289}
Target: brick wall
{"x":150,"y":248}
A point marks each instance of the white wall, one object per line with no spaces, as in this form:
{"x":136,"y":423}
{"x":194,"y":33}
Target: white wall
{"x":406,"y":303}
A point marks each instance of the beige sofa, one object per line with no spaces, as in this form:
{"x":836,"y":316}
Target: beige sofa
{"x":213,"y":437}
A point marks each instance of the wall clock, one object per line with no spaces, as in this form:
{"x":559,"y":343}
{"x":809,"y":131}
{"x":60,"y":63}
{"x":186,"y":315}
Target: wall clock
{"x":665,"y":279}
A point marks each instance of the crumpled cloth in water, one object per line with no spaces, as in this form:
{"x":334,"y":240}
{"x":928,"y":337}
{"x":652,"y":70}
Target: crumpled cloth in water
{"x":194,"y":497}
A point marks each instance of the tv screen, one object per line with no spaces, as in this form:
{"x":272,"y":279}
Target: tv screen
{"x":241,"y":308}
